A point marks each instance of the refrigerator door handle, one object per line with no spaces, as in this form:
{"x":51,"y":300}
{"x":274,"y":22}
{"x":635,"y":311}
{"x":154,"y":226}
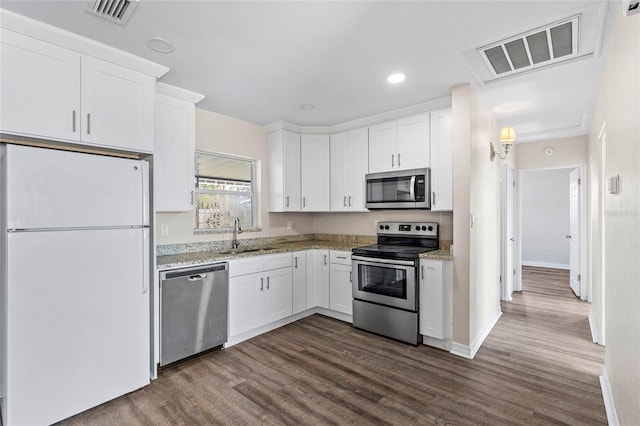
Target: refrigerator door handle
{"x":145,"y":192}
{"x":145,"y":260}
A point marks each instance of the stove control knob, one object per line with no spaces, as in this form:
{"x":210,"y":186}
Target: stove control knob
{"x":417,"y":228}
{"x":386,"y":227}
{"x":430,"y":228}
{"x":381,"y":226}
{"x":424,"y":228}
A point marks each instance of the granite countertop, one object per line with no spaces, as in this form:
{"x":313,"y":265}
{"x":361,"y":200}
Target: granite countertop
{"x":202,"y":257}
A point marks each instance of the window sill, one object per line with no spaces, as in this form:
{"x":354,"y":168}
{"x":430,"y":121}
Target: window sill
{"x":223,"y":230}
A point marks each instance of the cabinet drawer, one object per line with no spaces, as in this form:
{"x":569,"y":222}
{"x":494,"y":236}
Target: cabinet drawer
{"x":340,"y":257}
{"x":248,"y":265}
{"x":275,"y":261}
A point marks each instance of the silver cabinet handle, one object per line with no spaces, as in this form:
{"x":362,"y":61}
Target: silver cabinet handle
{"x":341,"y":257}
{"x":325,"y":259}
{"x":433,"y":198}
{"x":74,"y":120}
{"x":287,"y":201}
{"x":267,"y":283}
{"x":192,"y":197}
{"x":398,"y":159}
{"x":261,"y":284}
{"x":392,"y":158}
{"x":197,"y":277}
{"x":349,"y":200}
{"x":512,"y":239}
{"x":295,"y":262}
{"x":88,"y":124}
{"x":568,"y":237}
{"x":422,"y":272}
{"x":304,"y":201}
{"x":350,"y":276}
{"x":345,"y":201}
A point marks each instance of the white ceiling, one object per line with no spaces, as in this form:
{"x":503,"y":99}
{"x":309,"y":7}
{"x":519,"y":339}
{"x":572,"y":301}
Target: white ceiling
{"x":258,"y":61}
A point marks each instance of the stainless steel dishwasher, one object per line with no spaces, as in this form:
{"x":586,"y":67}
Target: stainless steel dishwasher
{"x":193,"y":310}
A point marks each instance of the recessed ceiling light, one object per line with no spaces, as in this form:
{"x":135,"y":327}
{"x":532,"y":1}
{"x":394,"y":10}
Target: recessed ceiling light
{"x":307,"y":107}
{"x":159,"y":44}
{"x":396,"y":78}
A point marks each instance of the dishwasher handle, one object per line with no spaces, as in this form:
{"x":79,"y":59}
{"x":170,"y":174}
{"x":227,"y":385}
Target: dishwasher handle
{"x":195,"y":274}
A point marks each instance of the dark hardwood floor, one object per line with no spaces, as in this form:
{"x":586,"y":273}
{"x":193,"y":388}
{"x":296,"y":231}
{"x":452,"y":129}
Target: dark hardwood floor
{"x":538,"y":366}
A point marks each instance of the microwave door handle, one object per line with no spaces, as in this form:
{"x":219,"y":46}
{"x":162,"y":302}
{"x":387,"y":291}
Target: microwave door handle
{"x":412,"y":188}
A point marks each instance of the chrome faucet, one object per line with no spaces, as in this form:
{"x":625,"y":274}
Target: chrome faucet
{"x":236,"y":230}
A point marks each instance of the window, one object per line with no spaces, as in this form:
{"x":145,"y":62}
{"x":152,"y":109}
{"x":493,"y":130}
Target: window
{"x":225,"y":189}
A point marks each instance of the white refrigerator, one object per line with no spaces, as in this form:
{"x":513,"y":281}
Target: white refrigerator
{"x":75,"y":282}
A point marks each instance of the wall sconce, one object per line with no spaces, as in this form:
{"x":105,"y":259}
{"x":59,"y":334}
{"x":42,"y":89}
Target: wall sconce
{"x":507,"y":136}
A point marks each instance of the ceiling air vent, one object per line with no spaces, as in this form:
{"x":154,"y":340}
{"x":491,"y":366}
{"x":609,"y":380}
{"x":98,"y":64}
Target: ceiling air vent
{"x":540,"y":47}
{"x":118,"y":11}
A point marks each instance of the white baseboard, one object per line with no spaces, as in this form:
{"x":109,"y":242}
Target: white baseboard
{"x":335,"y":315}
{"x":607,"y":396}
{"x":593,"y":328}
{"x":546,"y":264}
{"x":470,"y":351}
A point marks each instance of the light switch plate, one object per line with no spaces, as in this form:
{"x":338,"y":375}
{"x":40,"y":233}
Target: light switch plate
{"x":164,"y":230}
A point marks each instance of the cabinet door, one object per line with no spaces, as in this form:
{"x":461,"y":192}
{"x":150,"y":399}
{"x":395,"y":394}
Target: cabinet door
{"x":317,"y":278}
{"x":382,"y":147}
{"x":291,"y":153}
{"x":173,"y":159}
{"x":356,"y":167}
{"x":413,"y":142}
{"x":339,"y":170}
{"x":441,"y":160}
{"x":314,"y":168}
{"x":340,"y":289}
{"x":117,"y":106}
{"x":39,"y":87}
{"x":432,"y":298}
{"x":299,"y":290}
{"x":246,"y":303}
{"x":278,"y":294}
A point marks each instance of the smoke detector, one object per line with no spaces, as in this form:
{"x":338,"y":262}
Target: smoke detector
{"x":118,"y":11}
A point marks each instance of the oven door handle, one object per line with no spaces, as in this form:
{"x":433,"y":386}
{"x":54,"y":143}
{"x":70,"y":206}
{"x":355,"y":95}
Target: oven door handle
{"x":412,"y":188}
{"x":371,"y":261}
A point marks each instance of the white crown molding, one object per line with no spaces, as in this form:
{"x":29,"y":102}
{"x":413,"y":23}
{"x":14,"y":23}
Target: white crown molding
{"x":50,"y":34}
{"x":179,"y":93}
{"x":362,"y":122}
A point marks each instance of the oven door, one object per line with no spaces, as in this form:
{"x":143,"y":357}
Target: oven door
{"x":385,"y":281}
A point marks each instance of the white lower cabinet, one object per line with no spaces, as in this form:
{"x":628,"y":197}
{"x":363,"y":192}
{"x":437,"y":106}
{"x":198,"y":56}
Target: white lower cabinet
{"x":435,"y":286}
{"x":317,"y":278}
{"x":259,"y":298}
{"x":340,"y":279}
{"x":299,"y":281}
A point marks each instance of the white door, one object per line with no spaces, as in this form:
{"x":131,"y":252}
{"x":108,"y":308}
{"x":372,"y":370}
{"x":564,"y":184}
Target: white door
{"x":58,"y":189}
{"x":314,"y":168}
{"x":291,"y":147}
{"x":40,"y":88}
{"x":299,"y":290}
{"x":246,"y":303}
{"x":78,"y":323}
{"x":382,"y":147}
{"x":339,"y":164}
{"x":278,"y":294}
{"x":441,"y":160}
{"x":413,"y":142}
{"x":340,"y":289}
{"x":356,"y":164}
{"x":508,"y":238}
{"x":432,"y":308}
{"x":574,"y":231}
{"x":117,"y":106}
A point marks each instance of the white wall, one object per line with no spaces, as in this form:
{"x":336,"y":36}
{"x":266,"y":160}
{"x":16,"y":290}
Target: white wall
{"x":619,"y":107}
{"x":545,"y":217}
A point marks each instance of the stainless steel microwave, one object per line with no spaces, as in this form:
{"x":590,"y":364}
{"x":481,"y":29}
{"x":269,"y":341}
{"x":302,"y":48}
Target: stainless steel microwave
{"x":404,"y":189}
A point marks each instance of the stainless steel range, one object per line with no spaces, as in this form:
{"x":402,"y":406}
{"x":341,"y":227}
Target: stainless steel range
{"x":385,"y":284}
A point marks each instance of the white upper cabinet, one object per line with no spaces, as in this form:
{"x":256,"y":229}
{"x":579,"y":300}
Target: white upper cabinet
{"x":315,"y":173}
{"x":39,"y":88}
{"x":284,"y":171}
{"x":441,"y":160}
{"x":54,"y":93}
{"x":117,"y":106}
{"x":349,"y":165}
{"x":382,"y":147}
{"x":173,"y":161}
{"x":413,"y":142}
{"x":400,"y":144}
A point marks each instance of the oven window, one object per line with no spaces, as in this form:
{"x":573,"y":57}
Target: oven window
{"x":386,"y":281}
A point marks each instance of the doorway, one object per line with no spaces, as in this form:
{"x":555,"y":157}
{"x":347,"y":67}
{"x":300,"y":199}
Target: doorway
{"x":507,"y":202}
{"x":551,"y":222}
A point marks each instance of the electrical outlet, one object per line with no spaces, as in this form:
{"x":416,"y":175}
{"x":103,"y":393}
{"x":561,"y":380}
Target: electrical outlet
{"x":289,"y":224}
{"x":164,"y":230}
